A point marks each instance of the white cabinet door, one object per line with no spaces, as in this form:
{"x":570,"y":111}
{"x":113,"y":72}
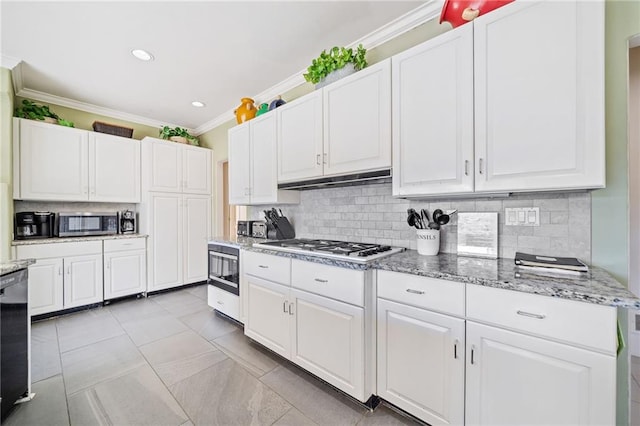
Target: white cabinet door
{"x":300,"y":138}
{"x":196,"y":170}
{"x":539,"y":96}
{"x":125,"y":273}
{"x":114,"y":168}
{"x":165,"y":240}
{"x":328,"y":341}
{"x":54,"y":162}
{"x":433,"y":116}
{"x":357,"y":121}
{"x":239,"y":165}
{"x":82,"y":280}
{"x":268,"y":315}
{"x":421,"y":362}
{"x":197,"y":230}
{"x":264,"y":185}
{"x":45,"y":286}
{"x":162,"y":165}
{"x":515,"y":379}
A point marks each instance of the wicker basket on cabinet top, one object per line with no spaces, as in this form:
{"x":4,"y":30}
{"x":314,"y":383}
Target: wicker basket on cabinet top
{"x":112,"y":129}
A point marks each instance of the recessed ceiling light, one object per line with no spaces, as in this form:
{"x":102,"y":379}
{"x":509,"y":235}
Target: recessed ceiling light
{"x":197,"y":104}
{"x":143,"y":55}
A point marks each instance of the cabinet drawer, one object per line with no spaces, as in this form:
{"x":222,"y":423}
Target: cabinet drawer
{"x":429,"y":293}
{"x":583,"y":324}
{"x":223,"y":301}
{"x":44,"y":251}
{"x":267,"y":266}
{"x":342,"y":284}
{"x":124,"y":244}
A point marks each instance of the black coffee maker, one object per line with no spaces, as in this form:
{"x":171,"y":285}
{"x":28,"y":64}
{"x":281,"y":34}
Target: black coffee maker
{"x":34,"y":225}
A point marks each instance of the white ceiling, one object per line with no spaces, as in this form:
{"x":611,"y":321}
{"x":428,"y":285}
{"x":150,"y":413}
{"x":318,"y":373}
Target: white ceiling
{"x":214,"y":52}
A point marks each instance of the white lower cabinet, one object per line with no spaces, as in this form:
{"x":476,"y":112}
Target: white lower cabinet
{"x":515,"y":379}
{"x":65,"y":275}
{"x":125,"y":269}
{"x":324,"y":336}
{"x":421,"y":362}
{"x":45,"y":286}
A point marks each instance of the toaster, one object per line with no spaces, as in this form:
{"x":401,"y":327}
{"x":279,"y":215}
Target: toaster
{"x":259,"y":229}
{"x":244,"y":228}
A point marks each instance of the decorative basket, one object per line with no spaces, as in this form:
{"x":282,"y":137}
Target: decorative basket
{"x":336,"y":75}
{"x":112,"y":129}
{"x":179,"y":139}
{"x":50,"y":120}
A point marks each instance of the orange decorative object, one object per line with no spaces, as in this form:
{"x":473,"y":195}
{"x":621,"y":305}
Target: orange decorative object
{"x":246,"y":111}
{"x":458,"y":12}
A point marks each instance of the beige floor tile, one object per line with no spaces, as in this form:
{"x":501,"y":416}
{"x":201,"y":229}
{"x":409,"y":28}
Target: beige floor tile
{"x":137,"y":398}
{"x":209,"y":325}
{"x":45,"y":351}
{"x":258,"y":361}
{"x":87,"y":327}
{"x":294,"y":418}
{"x":226,"y":394}
{"x":48,"y":408}
{"x":150,"y":329}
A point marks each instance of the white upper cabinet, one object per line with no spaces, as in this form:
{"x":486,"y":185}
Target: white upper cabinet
{"x":253,"y":173}
{"x":300,"y":138}
{"x":357,"y":121}
{"x":239,"y":165}
{"x":59,"y":163}
{"x":539,"y":96}
{"x":53,"y":162}
{"x":196,"y":170}
{"x":433,"y":116}
{"x":173,"y":167}
{"x":532,"y":119}
{"x":114,"y":168}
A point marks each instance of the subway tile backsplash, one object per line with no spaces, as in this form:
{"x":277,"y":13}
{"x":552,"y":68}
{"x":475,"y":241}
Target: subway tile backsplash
{"x":369,"y":213}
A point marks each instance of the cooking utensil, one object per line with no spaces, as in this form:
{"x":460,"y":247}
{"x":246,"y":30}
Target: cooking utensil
{"x":443,"y":219}
{"x":280,"y":210}
{"x":425,"y":217}
{"x":413,"y":219}
{"x":436,"y":214}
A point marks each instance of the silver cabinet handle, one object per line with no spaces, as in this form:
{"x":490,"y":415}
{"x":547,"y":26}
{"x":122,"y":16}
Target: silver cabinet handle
{"x":263,"y":266}
{"x":410,"y":290}
{"x":284,"y":306}
{"x":320,"y":280}
{"x":480,"y":166}
{"x":473,"y":348}
{"x":69,"y":270}
{"x":530,"y":315}
{"x":220,"y":303}
{"x":59,"y":270}
{"x":290,"y":310}
{"x":127,"y":244}
{"x":324,"y":158}
{"x":455,"y":349}
{"x":318,"y":159}
{"x":466,"y":167}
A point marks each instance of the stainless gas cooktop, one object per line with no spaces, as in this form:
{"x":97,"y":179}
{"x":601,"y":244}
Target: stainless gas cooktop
{"x":355,"y":252}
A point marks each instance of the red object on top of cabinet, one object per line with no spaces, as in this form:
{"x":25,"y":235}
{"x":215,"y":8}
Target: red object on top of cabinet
{"x":458,"y":12}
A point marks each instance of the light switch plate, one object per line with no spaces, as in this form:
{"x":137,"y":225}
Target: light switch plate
{"x":522,"y":216}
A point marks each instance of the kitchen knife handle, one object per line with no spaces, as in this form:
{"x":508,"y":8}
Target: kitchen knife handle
{"x":466,"y":167}
{"x":318,"y":159}
{"x":480,"y":166}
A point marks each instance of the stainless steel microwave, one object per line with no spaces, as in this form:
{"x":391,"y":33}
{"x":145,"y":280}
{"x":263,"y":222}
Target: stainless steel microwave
{"x":81,"y":224}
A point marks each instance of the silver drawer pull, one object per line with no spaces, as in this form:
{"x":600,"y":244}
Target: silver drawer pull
{"x":530,"y":315}
{"x":410,"y":290}
{"x":263,"y":266}
{"x":220,"y":303}
{"x":284,"y":306}
{"x":321,"y":280}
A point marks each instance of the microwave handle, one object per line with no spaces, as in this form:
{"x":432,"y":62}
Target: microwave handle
{"x":223,"y":255}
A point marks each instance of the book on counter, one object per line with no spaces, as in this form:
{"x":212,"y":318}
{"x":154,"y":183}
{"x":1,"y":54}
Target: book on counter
{"x":559,"y":264}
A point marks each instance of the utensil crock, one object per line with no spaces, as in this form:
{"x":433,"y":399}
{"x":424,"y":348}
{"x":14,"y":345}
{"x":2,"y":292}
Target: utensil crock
{"x":428,"y":241}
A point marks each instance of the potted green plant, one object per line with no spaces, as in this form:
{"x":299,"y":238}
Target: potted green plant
{"x":178,"y":134}
{"x":33,"y":111}
{"x":335,"y":64}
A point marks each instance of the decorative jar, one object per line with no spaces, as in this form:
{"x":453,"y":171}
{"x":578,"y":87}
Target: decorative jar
{"x":246,"y":111}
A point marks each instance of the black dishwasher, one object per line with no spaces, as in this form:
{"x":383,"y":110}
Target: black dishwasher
{"x":14,"y":363}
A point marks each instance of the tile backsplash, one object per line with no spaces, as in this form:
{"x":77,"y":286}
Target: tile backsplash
{"x":369,"y":213}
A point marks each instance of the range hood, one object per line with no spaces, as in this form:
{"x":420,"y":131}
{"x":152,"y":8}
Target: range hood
{"x":378,"y":176}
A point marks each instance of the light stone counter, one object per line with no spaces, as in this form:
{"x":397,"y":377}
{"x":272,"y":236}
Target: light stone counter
{"x":15,"y":265}
{"x":596,"y":286}
{"x":75,"y":239}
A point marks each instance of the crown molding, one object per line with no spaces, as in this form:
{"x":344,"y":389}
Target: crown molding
{"x":87,"y":107}
{"x":418,"y":16}
{"x":15,"y":65}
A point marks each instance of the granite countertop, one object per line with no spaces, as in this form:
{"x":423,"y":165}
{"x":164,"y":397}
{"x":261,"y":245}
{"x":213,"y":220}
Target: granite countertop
{"x":237,"y":241}
{"x":15,"y":265}
{"x":75,"y":239}
{"x":315,"y":259}
{"x":596,"y":287}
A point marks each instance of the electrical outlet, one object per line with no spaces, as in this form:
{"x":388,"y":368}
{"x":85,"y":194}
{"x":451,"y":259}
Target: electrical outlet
{"x":522,"y":216}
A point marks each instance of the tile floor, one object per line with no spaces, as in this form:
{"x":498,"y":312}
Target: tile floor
{"x":634,"y":414}
{"x":170,"y":360}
